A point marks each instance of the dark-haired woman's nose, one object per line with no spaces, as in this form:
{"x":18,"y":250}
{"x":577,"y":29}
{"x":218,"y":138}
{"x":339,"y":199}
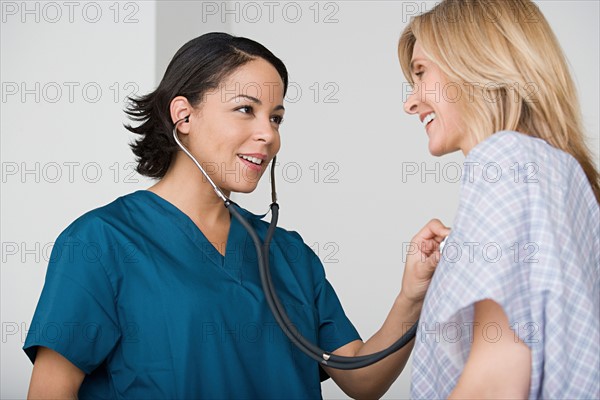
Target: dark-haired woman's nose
{"x":264,"y":131}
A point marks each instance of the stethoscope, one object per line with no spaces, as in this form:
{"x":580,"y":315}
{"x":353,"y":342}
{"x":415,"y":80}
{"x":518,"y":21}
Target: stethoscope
{"x":262,"y":252}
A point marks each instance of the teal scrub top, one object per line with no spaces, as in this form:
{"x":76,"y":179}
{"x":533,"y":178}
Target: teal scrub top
{"x":137,"y":298}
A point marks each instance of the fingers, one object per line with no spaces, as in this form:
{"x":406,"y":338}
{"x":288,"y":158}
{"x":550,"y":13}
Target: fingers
{"x":428,"y":246}
{"x":437,"y":228}
{"x":426,"y":267}
{"x":433,"y":230}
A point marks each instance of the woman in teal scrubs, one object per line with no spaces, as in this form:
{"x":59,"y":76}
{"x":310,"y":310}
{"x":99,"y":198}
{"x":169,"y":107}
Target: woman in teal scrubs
{"x":157,"y":294}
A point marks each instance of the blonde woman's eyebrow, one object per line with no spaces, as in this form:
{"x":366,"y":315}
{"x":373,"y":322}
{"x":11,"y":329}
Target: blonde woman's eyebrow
{"x":413,"y":61}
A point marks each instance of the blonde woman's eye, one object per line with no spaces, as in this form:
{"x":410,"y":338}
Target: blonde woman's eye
{"x":419,"y":74}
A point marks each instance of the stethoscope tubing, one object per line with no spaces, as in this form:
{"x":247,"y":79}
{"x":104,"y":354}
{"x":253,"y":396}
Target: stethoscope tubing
{"x":273,"y":301}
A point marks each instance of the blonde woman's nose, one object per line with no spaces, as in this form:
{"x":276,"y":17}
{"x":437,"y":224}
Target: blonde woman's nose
{"x":410,"y":105}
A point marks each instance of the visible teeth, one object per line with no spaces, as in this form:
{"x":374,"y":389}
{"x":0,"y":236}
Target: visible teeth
{"x":253,"y":160}
{"x":428,"y":119}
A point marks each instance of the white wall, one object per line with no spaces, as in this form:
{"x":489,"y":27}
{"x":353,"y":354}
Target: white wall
{"x":358,"y":209}
{"x":75,"y":141}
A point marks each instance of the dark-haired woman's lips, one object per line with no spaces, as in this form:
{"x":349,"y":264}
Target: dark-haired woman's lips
{"x":251,"y":162}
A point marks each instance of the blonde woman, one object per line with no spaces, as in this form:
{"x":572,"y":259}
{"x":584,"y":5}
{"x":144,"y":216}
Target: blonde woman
{"x":513,"y":309}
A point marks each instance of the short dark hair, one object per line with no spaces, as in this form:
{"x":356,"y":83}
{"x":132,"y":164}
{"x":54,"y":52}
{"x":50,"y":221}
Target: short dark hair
{"x":198,"y":66}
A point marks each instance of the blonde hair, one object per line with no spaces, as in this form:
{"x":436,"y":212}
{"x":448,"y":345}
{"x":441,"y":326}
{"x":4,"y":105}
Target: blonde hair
{"x":512,"y":72}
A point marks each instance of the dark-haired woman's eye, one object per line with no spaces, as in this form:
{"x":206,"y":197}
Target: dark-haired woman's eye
{"x":277,"y":119}
{"x":245,"y":109}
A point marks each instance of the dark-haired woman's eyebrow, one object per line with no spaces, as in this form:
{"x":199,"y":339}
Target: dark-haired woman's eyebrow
{"x":252,"y":99}
{"x":257,"y":101}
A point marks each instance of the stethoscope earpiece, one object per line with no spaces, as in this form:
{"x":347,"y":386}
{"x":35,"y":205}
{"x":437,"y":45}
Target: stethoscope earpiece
{"x":184,"y":119}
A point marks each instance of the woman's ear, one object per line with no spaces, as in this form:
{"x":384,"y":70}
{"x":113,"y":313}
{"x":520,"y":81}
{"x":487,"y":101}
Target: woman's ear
{"x":180,"y":109}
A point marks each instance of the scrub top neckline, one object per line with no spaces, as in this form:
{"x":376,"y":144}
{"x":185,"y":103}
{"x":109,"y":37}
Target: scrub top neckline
{"x":232,"y":261}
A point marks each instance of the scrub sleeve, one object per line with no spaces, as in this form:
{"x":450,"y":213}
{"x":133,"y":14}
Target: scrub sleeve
{"x":76,"y":314}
